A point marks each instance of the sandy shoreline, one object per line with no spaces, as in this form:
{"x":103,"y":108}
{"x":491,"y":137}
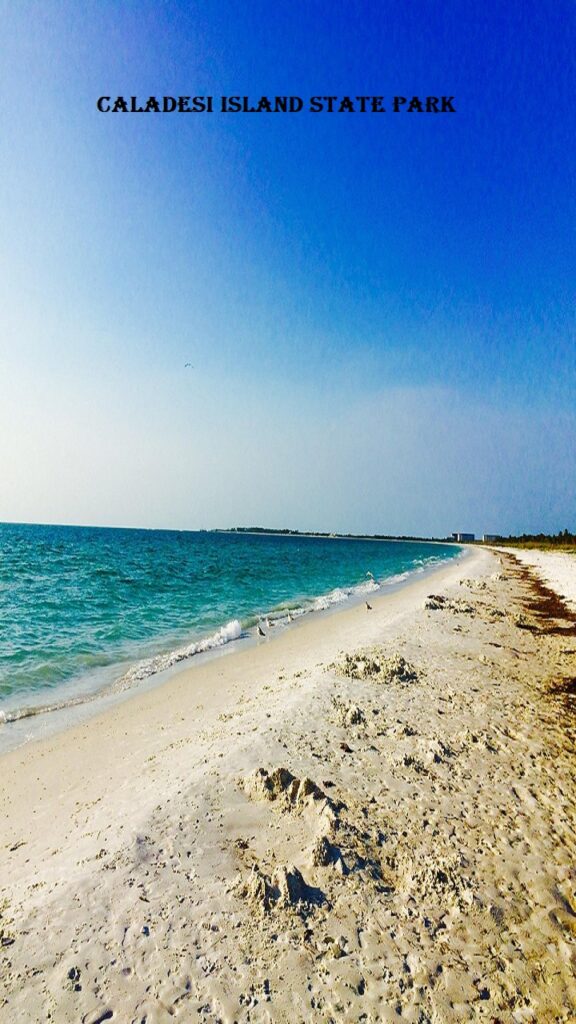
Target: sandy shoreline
{"x":557,"y":569}
{"x":48,"y":713}
{"x":146,"y":873}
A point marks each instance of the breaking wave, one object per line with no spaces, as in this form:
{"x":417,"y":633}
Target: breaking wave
{"x":151,"y":666}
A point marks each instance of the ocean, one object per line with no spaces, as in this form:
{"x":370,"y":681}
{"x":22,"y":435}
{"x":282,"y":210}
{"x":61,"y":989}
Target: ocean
{"x":86,"y":610}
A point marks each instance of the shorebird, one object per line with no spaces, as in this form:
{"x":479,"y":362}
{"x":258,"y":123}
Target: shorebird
{"x":261,"y":631}
{"x":368,"y":607}
{"x":188,"y":364}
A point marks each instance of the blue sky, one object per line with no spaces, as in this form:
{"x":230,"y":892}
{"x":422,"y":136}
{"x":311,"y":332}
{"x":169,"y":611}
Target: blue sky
{"x":379,"y":309}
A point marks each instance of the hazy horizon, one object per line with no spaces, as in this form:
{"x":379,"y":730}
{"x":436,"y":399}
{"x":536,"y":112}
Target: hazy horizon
{"x":264,"y":528}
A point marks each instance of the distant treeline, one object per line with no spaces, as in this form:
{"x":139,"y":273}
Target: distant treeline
{"x":562,"y":538}
{"x":314,"y":533}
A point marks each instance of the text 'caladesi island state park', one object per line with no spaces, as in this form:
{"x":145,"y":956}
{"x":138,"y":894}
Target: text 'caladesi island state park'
{"x":276,"y":105}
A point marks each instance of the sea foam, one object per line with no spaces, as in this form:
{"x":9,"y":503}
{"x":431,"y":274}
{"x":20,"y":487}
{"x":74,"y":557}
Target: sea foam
{"x":151,"y":666}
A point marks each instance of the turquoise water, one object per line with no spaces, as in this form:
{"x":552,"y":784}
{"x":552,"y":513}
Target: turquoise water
{"x":82,"y":607}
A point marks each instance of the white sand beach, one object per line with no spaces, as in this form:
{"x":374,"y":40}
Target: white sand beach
{"x":555,"y":568}
{"x":369,"y":818}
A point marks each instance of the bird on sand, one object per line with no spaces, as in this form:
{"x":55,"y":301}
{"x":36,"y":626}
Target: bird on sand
{"x":261,"y":631}
{"x":368,"y":607}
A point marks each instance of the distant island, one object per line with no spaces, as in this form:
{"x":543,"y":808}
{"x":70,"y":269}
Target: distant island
{"x":562,"y":539}
{"x":334,"y":536}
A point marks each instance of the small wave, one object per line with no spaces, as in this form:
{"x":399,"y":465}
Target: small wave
{"x":334,"y":597}
{"x":400,"y":577}
{"x":143,"y":669}
{"x":342,"y":594}
{"x":150,"y":666}
{"x":42,"y":709}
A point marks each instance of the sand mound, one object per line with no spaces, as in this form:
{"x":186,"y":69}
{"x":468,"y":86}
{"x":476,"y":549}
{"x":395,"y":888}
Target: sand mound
{"x":443,"y":883}
{"x":347,"y":713}
{"x":283,"y":786}
{"x":326,"y":854}
{"x":373,"y":664}
{"x":293,"y":890}
{"x":474,"y":584}
{"x":258,"y":890}
{"x":6,"y":935}
{"x":285,"y":889}
{"x":437,"y":602}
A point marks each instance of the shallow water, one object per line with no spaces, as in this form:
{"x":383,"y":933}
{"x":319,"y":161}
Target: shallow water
{"x":83,"y":608}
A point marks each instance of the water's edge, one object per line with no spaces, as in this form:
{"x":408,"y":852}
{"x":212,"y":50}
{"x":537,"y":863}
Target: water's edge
{"x":41,"y":719}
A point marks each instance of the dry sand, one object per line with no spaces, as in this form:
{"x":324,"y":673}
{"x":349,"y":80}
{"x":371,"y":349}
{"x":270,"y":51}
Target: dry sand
{"x":555,"y":568}
{"x":369,"y":819}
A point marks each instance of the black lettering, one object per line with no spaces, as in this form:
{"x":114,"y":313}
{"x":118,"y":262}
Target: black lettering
{"x":378,"y":105}
{"x":169,"y":104}
{"x":447,"y":107}
{"x":152,"y":105}
{"x":120,"y":105}
{"x":103,"y":104}
{"x":399,"y":102}
{"x":316,"y":104}
{"x":432,"y":104}
{"x":415,"y":105}
{"x":346,"y":106}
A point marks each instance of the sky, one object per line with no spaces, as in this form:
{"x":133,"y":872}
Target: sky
{"x":378,"y":308}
